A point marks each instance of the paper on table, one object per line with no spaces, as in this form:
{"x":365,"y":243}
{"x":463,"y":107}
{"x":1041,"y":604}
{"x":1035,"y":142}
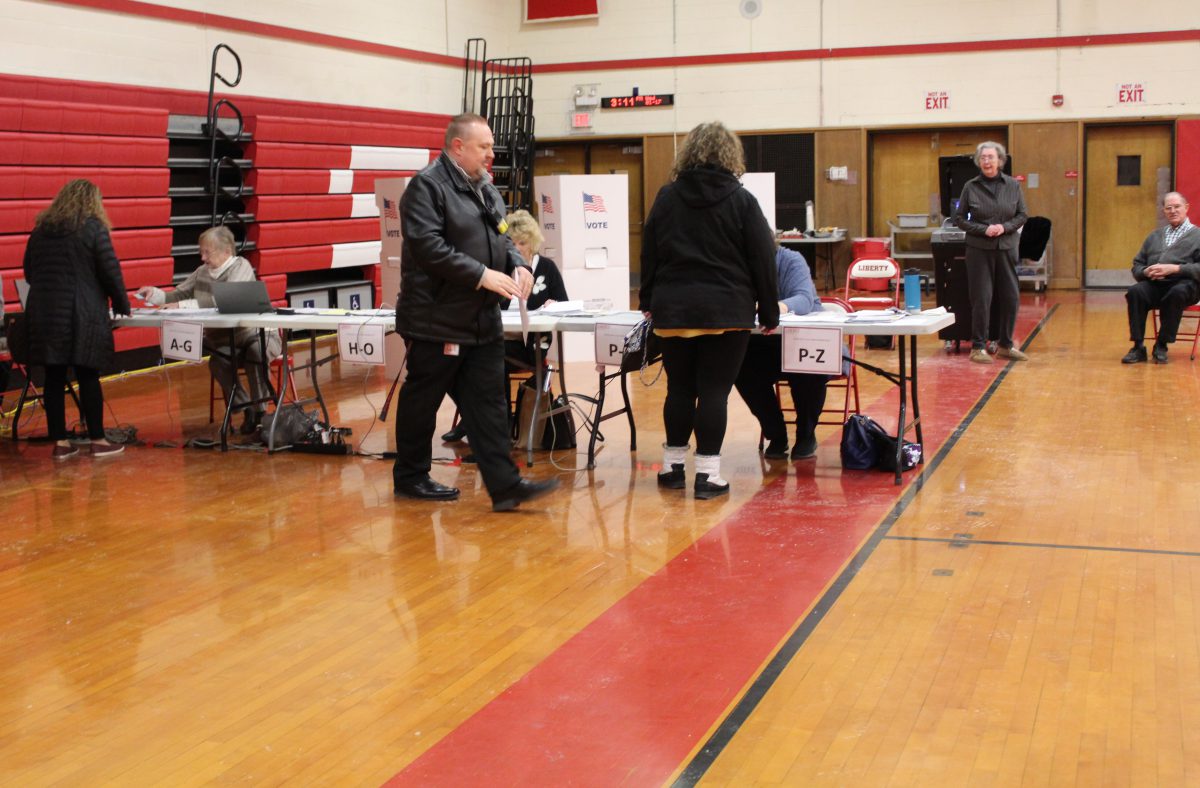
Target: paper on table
{"x":559,"y":307}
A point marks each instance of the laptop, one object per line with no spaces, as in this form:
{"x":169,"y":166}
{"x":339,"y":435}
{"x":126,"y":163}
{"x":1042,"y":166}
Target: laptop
{"x":242,"y":298}
{"x":22,"y":291}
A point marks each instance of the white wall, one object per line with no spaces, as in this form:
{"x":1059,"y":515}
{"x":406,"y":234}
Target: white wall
{"x":68,"y":42}
{"x":64,"y":41}
{"x":983,"y":86}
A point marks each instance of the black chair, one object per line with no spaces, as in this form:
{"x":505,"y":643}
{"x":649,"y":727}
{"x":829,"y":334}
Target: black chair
{"x":18,"y":350}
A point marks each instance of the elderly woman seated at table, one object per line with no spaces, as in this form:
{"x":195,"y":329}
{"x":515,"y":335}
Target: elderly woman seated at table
{"x":221,"y":263}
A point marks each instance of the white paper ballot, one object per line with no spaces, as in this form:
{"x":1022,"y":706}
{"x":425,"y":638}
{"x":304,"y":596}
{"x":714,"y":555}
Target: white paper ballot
{"x":524,"y":319}
{"x":561,"y":307}
{"x":595,"y":257}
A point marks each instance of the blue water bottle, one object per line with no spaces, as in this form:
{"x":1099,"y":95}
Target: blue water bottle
{"x":912,"y":291}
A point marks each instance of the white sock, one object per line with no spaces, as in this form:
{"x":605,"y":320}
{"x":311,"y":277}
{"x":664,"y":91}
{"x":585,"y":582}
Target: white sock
{"x":710,"y":464}
{"x":674,"y":455}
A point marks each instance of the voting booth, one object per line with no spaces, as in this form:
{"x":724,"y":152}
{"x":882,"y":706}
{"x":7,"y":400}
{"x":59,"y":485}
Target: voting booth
{"x":585,"y":221}
{"x":388,"y":192}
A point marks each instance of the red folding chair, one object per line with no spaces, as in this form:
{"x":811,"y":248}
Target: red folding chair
{"x":867,"y":282}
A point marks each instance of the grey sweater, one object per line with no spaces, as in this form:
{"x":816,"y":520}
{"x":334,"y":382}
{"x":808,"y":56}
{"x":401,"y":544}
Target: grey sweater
{"x":1185,"y":252}
{"x":987,"y":201}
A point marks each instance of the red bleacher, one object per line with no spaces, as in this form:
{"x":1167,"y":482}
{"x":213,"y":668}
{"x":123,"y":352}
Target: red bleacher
{"x":277,"y":234}
{"x":123,"y":150}
{"x":318,"y":181}
{"x":17,"y":216}
{"x":266,"y":128}
{"x":128,"y":244}
{"x":76,"y":150}
{"x":23,"y":183}
{"x":281,"y":207}
{"x":18,"y":114}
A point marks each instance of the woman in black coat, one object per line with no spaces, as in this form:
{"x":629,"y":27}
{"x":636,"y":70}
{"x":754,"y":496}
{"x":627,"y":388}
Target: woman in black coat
{"x":73,"y":274}
{"x":708,"y":268}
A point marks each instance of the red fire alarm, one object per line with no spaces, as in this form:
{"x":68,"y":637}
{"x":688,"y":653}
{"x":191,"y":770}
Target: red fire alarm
{"x":1056,"y":100}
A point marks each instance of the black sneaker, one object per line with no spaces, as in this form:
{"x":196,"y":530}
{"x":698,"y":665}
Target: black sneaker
{"x":776,"y":449}
{"x":804,"y":449}
{"x":1135,"y":356}
{"x":1160,"y":354}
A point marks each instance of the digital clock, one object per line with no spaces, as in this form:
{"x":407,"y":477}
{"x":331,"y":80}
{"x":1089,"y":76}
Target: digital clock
{"x":640,"y":100}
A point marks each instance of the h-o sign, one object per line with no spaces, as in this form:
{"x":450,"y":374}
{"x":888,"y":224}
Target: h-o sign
{"x":812,"y":350}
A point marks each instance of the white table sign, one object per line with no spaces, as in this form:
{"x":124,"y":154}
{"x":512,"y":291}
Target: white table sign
{"x":182,"y":340}
{"x":361,"y":343}
{"x":610,"y":339}
{"x":812,"y":350}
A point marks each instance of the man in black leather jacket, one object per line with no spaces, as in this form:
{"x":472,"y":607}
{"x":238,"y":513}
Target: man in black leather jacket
{"x":456,"y":265}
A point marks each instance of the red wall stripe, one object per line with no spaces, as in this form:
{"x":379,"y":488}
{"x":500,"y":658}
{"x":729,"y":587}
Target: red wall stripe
{"x":152,"y":11}
{"x":1011,"y":44}
{"x":195,"y":102}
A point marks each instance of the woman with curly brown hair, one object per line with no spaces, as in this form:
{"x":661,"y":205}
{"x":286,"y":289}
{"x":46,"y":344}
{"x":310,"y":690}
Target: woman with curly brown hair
{"x":708,"y":267}
{"x":73,"y":274}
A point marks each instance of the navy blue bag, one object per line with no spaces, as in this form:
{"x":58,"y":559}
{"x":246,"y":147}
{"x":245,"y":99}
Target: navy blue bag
{"x":861,"y":439}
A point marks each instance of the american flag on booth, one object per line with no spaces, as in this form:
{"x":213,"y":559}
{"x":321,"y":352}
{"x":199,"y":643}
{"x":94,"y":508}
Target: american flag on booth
{"x":593,"y":203}
{"x":547,"y":204}
{"x":389,"y":209}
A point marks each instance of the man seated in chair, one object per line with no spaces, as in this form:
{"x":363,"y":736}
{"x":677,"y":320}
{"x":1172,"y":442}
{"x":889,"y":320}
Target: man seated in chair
{"x":221,"y":263}
{"x":761,"y":368}
{"x":1167,"y":270}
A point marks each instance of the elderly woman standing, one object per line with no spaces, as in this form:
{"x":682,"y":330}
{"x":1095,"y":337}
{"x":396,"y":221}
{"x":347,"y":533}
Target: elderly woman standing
{"x":708,"y":267}
{"x":990,"y":210}
{"x":73,"y":274}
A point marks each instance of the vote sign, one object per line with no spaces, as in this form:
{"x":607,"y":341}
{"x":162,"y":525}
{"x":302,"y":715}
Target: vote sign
{"x":361,"y":343}
{"x":812,"y":350}
{"x":182,"y":340}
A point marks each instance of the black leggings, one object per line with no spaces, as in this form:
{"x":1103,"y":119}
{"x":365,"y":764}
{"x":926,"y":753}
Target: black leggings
{"x":700,"y":373}
{"x":91,"y":401}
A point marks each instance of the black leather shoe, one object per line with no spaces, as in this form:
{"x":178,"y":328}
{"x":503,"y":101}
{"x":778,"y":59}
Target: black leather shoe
{"x":1160,"y":354}
{"x":427,"y":490}
{"x":776,"y":449}
{"x":455,"y":434}
{"x":521,"y":492}
{"x":1135,"y":356}
{"x":805,"y":449}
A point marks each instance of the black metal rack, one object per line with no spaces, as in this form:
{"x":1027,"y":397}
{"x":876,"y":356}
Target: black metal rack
{"x":504,"y":88}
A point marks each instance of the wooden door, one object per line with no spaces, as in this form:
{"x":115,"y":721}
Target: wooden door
{"x":1128,"y":173}
{"x":904,"y":170}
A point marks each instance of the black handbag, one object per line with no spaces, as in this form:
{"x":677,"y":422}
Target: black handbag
{"x":560,"y":429}
{"x":866,"y":444}
{"x":641,"y":349}
{"x":860,"y":442}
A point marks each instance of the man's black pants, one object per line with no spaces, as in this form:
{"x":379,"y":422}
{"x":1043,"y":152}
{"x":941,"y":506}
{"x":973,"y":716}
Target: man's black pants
{"x":475,"y":377}
{"x":1169,"y":296}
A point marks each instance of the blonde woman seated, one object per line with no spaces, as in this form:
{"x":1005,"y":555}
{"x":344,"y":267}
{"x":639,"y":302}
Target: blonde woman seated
{"x":221,"y":263}
{"x":548,"y":287}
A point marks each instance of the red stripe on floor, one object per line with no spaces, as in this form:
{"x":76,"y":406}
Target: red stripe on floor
{"x":631,"y":695}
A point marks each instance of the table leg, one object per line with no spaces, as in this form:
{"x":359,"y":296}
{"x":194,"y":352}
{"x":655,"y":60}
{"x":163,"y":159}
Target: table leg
{"x":900,"y":424}
{"x":916,"y":404}
{"x":285,"y":380}
{"x":233,"y":364}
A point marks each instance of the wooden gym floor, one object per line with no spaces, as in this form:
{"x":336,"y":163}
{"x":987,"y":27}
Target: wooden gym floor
{"x":1025,"y":610}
